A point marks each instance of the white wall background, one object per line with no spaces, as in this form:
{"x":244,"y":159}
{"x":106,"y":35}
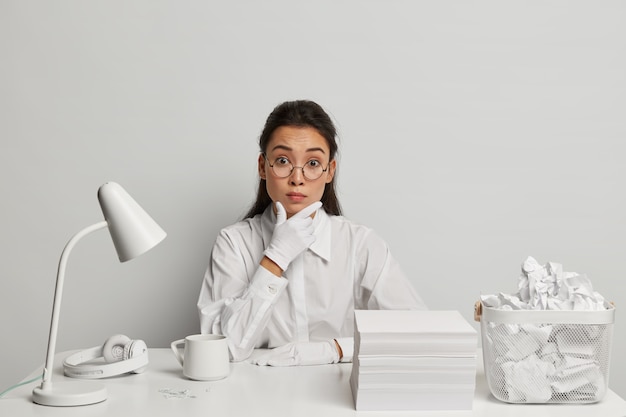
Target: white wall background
{"x":473,"y":134}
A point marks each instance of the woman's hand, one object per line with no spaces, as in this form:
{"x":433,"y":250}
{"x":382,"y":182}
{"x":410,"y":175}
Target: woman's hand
{"x":300,"y":353}
{"x":291,"y":236}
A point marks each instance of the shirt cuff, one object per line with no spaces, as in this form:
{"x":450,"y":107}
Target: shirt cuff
{"x":267,"y":285}
{"x":347,"y":347}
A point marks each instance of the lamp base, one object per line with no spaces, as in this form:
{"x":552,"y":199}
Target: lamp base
{"x":70,"y":394}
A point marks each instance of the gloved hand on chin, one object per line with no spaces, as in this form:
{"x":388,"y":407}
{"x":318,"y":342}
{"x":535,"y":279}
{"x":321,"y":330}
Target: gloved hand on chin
{"x":291,"y":236}
{"x":300,"y":353}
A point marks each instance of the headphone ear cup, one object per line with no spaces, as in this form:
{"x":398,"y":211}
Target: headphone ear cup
{"x":134,"y":349}
{"x":113,"y":349}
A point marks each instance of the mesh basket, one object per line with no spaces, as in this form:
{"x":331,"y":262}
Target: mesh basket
{"x":550,"y":356}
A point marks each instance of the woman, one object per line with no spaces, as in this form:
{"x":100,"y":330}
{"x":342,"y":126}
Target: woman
{"x":290,"y":275}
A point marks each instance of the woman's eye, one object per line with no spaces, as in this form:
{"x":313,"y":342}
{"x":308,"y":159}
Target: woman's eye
{"x":282,"y":161}
{"x":313,"y":163}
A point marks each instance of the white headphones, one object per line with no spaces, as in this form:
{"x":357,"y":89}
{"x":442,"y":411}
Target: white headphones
{"x":121,"y":355}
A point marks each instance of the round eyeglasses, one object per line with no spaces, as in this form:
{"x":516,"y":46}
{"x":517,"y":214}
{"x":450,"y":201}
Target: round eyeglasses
{"x":282,"y":168}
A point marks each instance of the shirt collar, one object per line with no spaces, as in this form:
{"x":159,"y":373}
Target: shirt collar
{"x":322,"y":245}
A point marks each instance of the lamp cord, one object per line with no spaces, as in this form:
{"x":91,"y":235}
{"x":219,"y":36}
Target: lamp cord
{"x":20,"y":384}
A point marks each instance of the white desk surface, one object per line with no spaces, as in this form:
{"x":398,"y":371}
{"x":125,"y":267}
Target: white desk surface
{"x":252,"y":390}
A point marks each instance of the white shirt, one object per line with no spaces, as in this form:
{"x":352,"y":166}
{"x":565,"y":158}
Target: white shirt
{"x":347,"y":268}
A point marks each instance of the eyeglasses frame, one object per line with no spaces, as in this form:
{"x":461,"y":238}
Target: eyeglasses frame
{"x":294,"y":167}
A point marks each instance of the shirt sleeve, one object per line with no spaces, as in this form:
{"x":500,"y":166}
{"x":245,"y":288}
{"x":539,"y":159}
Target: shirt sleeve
{"x":383,"y":284}
{"x":232,"y":303}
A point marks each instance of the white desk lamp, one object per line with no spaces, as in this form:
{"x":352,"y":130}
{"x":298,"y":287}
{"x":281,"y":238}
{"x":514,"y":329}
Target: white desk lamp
{"x":133,"y":232}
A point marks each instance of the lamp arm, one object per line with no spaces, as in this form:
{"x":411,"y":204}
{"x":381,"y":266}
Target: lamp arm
{"x":58,"y":293}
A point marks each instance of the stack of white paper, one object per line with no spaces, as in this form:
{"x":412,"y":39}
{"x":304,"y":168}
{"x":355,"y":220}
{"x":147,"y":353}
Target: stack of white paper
{"x":413,"y":360}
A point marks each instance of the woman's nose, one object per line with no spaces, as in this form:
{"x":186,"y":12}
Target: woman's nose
{"x":297,"y":176}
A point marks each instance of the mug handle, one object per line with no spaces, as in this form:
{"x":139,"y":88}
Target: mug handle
{"x":176,"y":351}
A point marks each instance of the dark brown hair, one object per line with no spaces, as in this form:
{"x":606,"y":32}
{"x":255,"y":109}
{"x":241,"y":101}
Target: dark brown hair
{"x":299,"y":113}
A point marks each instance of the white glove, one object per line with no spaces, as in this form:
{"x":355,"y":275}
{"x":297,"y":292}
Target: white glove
{"x":291,"y":237}
{"x":300,"y":353}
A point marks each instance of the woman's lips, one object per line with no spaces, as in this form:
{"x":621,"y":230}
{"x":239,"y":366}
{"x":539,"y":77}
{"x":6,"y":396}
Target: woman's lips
{"x":296,"y":196}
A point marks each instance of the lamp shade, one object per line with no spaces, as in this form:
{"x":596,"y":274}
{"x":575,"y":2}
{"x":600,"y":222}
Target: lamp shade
{"x":132,"y":230}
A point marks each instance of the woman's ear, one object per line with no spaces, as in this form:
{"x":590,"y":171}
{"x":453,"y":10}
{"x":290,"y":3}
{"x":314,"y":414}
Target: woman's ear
{"x":332,"y":165}
{"x":261,"y":163}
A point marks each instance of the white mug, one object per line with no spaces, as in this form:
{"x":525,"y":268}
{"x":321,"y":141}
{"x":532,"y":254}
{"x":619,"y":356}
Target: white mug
{"x":205,"y":357}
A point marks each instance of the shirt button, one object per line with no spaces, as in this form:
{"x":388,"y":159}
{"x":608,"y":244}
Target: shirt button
{"x":272,"y":289}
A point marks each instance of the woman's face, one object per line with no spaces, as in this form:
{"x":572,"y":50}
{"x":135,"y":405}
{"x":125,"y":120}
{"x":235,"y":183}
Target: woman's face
{"x":299,"y":146}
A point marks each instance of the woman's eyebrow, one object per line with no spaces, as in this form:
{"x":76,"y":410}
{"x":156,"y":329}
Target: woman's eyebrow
{"x":283,"y":147}
{"x":316,"y":150}
{"x":287,"y":148}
